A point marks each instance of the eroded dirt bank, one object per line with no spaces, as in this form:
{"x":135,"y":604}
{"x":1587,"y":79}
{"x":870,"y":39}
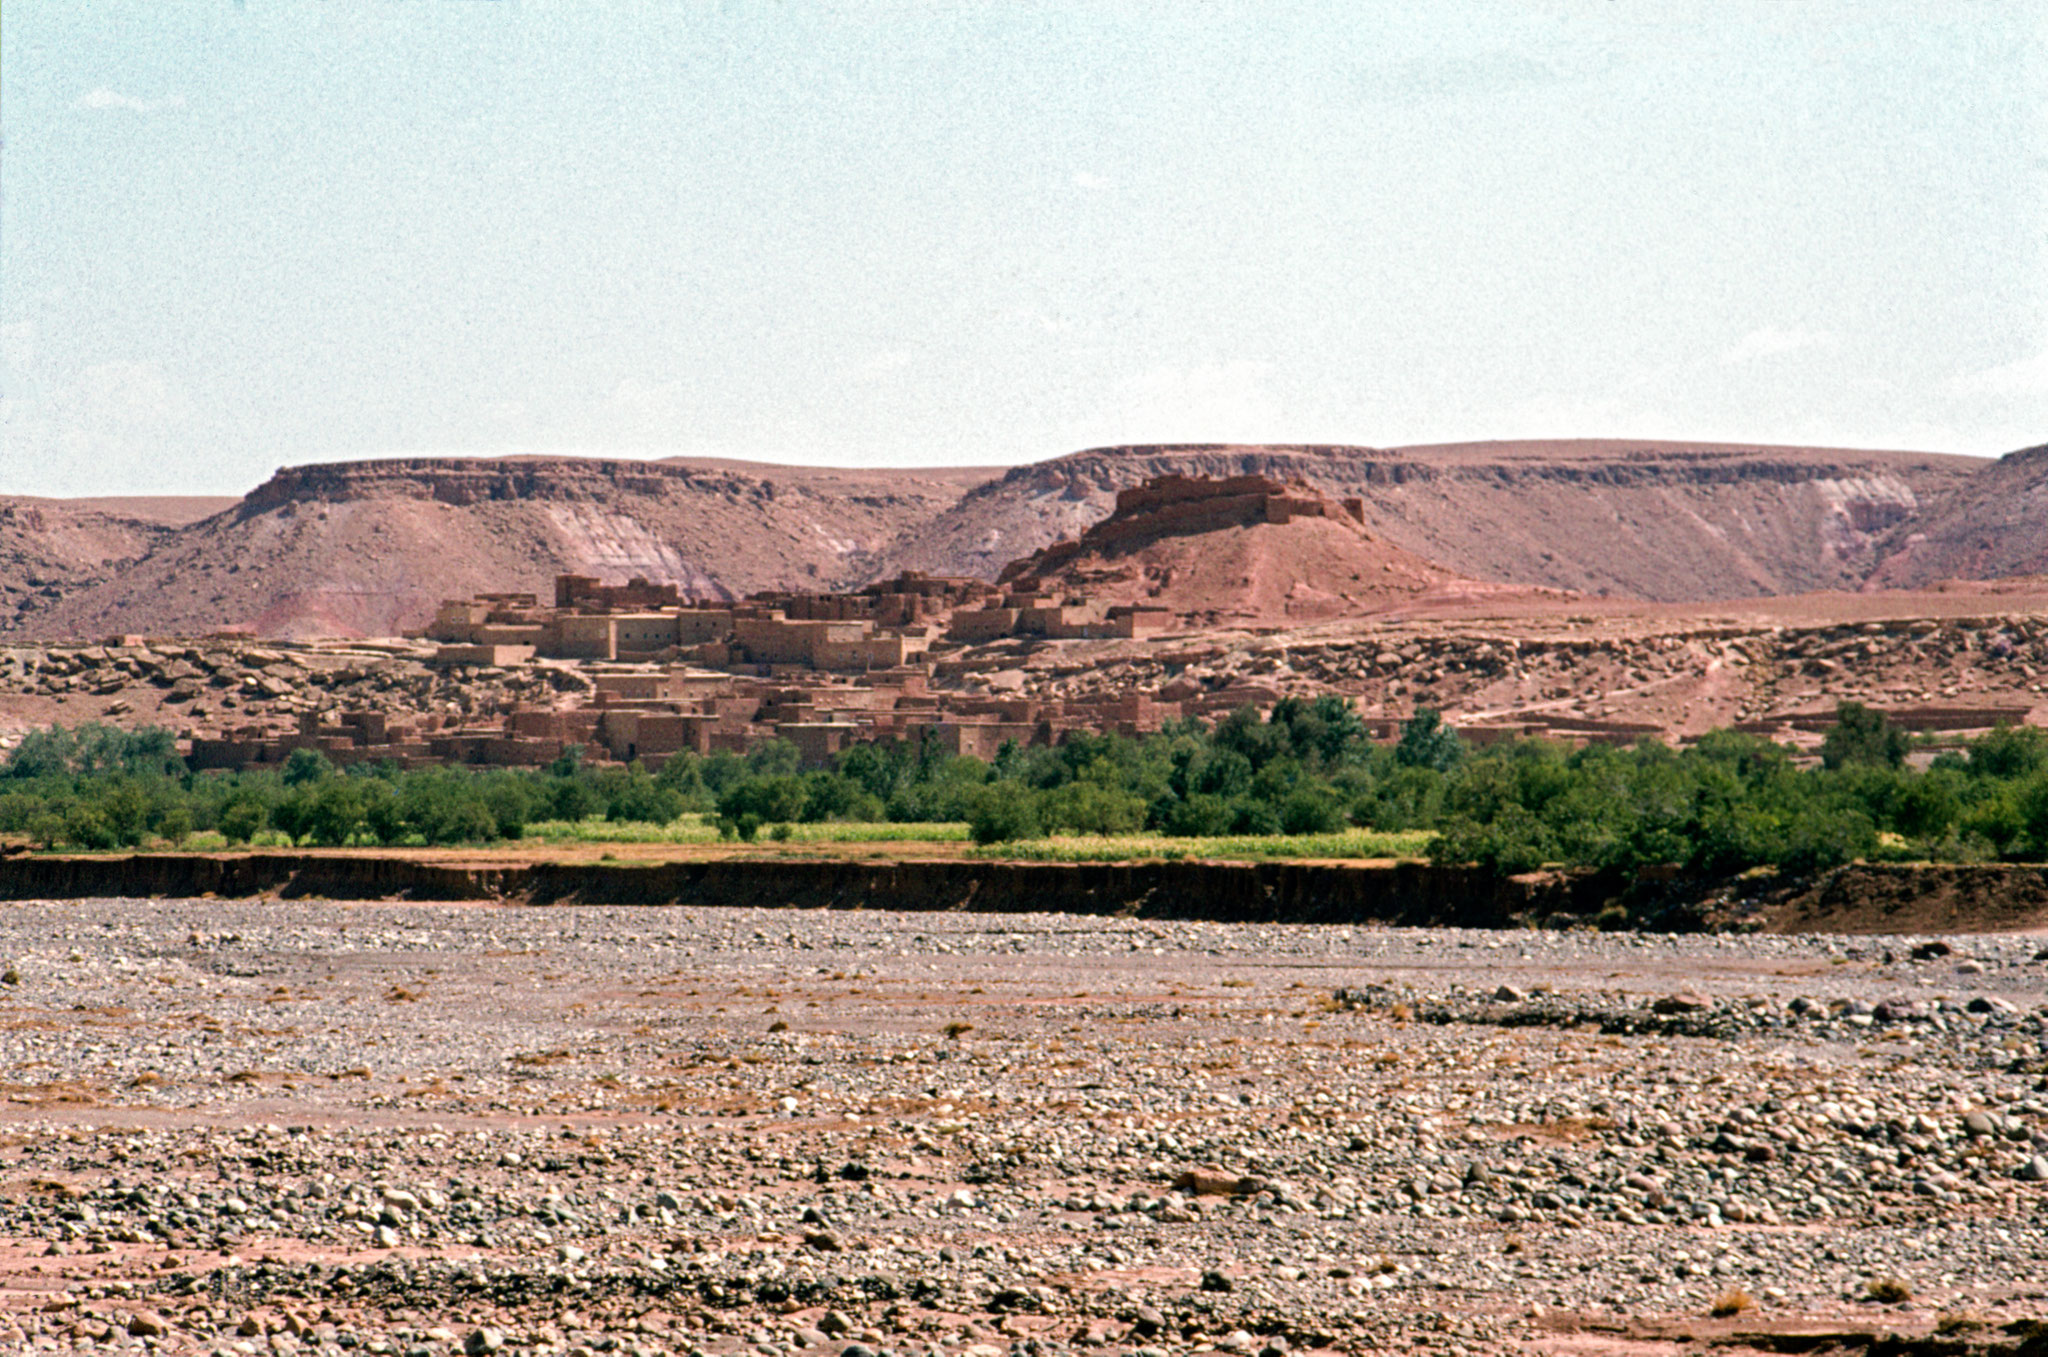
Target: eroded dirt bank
{"x":1856,"y":899}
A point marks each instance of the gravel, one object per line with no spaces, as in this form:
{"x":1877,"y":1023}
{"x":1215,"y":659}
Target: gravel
{"x":304,"y":1126}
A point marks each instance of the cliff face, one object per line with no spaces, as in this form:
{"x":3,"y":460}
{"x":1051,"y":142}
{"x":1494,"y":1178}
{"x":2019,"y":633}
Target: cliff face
{"x":1236,"y":550}
{"x":1657,"y":521}
{"x":369,"y":548}
{"x":1992,"y":525}
{"x":465,"y":481}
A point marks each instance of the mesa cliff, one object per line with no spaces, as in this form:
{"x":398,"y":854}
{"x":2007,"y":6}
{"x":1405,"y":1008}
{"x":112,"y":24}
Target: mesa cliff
{"x":1660,"y":521}
{"x":1992,"y":525}
{"x":1240,"y":548}
{"x":369,"y":548}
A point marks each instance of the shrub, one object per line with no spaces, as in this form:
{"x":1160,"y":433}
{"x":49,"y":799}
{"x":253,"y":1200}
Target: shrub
{"x":174,"y":824}
{"x":242,"y":817}
{"x":1198,"y":816}
{"x":1003,"y":811}
{"x":1426,"y":742}
{"x":87,"y":827}
{"x":2009,"y":753}
{"x":302,"y":766}
{"x":1513,"y":841}
{"x":1087,"y":808}
{"x":1862,"y":735}
{"x":1252,"y":815}
{"x":572,"y":799}
{"x":779,"y":797}
{"x":1311,"y":810}
{"x":637,"y":796}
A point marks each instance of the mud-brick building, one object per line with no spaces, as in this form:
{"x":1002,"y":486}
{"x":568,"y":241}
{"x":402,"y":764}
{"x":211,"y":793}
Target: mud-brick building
{"x":819,"y":742}
{"x":585,"y":593}
{"x":984,"y":737}
{"x":352,"y":737}
{"x":1029,"y":613}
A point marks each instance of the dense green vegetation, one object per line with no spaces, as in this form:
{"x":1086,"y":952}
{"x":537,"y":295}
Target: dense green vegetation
{"x":1726,"y":804}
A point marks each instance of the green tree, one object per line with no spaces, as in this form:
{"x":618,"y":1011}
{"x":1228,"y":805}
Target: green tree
{"x":1003,"y":811}
{"x":1862,"y":735}
{"x":242,"y":817}
{"x":1426,"y":742}
{"x":2012,"y":753}
{"x":303,"y":766}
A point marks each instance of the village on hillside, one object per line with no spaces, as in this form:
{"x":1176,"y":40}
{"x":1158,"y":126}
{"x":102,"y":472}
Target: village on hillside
{"x":1100,"y":633}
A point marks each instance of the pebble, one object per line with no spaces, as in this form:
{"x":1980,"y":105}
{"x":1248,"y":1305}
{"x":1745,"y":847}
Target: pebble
{"x":581,"y":1133}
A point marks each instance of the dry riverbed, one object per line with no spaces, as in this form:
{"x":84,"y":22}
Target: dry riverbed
{"x":246,"y":1127}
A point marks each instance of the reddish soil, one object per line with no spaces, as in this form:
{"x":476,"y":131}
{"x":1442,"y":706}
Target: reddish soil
{"x":1670,"y":521}
{"x":370,"y":547}
{"x":1993,"y":524}
{"x":1227,"y":565}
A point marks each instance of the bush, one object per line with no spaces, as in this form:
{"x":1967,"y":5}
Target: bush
{"x":87,"y":827}
{"x":1312,"y":810}
{"x":572,"y":799}
{"x":1198,"y":816}
{"x":637,"y":796}
{"x":1513,"y":841}
{"x":1250,"y":815}
{"x":1003,"y":811}
{"x":1087,"y":808}
{"x":242,"y":817}
{"x":1862,"y":735}
{"x":2009,"y":753}
{"x":302,"y":766}
{"x":767,"y":799}
{"x":1426,"y":742}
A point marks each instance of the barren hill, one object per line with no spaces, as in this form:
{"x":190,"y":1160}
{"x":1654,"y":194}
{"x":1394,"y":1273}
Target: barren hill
{"x":1992,"y":525}
{"x":1241,"y":549}
{"x":1651,"y":520}
{"x":370,"y":547}
{"x":51,"y":548}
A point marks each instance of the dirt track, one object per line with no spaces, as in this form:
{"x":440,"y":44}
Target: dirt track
{"x":404,"y":1128}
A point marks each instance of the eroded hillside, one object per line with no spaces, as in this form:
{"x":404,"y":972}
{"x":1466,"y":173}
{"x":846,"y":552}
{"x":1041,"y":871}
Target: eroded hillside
{"x":368,"y":548}
{"x":1664,"y":521}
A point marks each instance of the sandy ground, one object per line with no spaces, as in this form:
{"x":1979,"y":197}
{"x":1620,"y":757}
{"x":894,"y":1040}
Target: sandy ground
{"x":260,"y":1126}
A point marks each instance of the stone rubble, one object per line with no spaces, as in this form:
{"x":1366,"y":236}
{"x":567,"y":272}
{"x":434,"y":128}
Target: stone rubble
{"x":299,"y":1127}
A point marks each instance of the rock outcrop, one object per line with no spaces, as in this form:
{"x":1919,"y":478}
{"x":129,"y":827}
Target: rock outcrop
{"x":370,"y":548}
{"x":1993,"y":525}
{"x":1240,"y":549}
{"x":1666,"y":521}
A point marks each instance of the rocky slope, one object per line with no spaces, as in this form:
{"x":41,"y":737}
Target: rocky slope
{"x":369,"y":548}
{"x":1220,"y":551}
{"x":1663,"y":521}
{"x":50,"y":548}
{"x":1992,"y":525}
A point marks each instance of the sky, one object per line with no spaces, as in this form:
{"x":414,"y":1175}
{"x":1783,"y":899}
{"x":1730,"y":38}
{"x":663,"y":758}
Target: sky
{"x":237,"y":236}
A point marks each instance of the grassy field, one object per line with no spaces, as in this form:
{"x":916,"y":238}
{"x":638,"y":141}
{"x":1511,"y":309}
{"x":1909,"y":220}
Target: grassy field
{"x":1356,"y":843}
{"x":699,"y":832}
{"x":702,"y":829}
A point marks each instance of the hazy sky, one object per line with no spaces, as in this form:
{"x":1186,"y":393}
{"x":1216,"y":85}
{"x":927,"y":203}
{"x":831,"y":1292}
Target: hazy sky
{"x":238,"y":236}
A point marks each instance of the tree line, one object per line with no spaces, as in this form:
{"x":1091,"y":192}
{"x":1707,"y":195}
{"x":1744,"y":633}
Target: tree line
{"x":1723,"y":805}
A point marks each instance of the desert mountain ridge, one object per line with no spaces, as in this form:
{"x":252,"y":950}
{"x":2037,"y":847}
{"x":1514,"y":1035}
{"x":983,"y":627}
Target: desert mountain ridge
{"x":370,"y":547}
